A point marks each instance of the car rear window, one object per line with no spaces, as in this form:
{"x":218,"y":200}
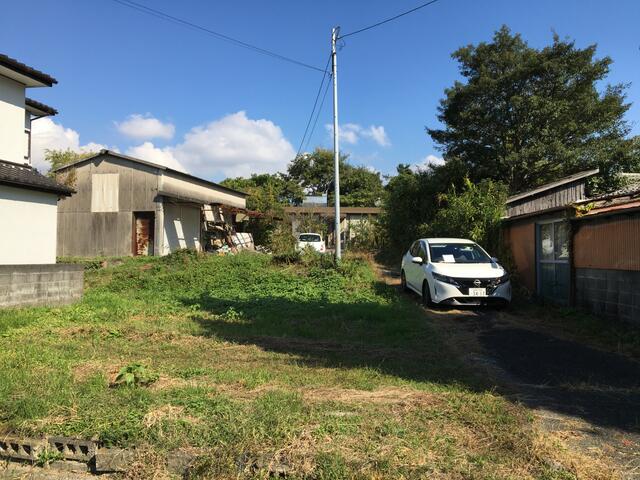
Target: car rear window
{"x":310,"y":237}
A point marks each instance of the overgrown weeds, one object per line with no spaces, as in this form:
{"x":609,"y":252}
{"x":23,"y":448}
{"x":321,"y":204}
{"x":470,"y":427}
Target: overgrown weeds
{"x":311,"y":365}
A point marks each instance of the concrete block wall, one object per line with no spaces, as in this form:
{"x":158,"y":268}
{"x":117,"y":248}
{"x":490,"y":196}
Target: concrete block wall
{"x":613,"y":294}
{"x":33,"y":285}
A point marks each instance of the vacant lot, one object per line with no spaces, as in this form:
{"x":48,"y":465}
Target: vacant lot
{"x":256,"y":366}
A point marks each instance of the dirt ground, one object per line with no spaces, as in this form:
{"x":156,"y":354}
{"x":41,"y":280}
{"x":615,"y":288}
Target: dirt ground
{"x":586,"y":397}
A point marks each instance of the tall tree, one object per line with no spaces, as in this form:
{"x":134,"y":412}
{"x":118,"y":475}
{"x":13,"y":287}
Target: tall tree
{"x":359,"y":186}
{"x":527,"y":116}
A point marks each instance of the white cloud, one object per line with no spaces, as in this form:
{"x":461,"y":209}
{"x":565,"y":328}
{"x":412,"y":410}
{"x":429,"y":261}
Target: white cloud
{"x":145,"y":127}
{"x":428,"y":162}
{"x":234,"y":145}
{"x":351,"y":133}
{"x":46,"y":134}
{"x":161,"y":156}
{"x":378,"y":135}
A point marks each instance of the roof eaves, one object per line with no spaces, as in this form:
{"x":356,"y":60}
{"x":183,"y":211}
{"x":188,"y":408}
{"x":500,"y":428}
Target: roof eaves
{"x":552,"y":185}
{"x":26,"y":70}
{"x":29,"y":102}
{"x":154,"y":165}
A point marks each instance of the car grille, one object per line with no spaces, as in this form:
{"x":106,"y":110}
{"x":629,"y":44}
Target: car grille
{"x":466,"y":283}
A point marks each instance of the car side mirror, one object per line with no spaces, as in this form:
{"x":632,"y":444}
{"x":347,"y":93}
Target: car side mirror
{"x":494,"y":259}
{"x":417,"y":260}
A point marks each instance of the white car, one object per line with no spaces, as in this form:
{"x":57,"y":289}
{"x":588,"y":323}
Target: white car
{"x":454,"y":271}
{"x":313,"y":240}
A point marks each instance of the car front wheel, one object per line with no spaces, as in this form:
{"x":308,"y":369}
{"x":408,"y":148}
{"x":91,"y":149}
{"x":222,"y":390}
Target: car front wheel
{"x":426,"y":295}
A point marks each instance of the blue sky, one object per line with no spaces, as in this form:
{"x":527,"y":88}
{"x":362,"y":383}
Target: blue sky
{"x":220,"y":110}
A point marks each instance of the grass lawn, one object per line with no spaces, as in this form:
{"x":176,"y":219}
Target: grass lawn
{"x":327,"y":371}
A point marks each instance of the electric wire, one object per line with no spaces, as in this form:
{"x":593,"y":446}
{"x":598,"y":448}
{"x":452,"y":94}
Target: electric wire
{"x":319,"y":110}
{"x":388,"y":19}
{"x":165,"y":16}
{"x":315,"y":104}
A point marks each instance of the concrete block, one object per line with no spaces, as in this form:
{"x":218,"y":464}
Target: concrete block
{"x":21,"y":448}
{"x":73,"y":448}
{"x":113,"y":460}
{"x":179,"y":462}
{"x":70,"y":466}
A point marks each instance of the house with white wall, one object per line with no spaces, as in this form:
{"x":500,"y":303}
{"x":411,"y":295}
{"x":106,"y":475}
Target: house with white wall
{"x":28,"y":199}
{"x":29,"y":274}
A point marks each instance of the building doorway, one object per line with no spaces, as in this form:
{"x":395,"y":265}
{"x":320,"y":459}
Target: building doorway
{"x":552,"y":266}
{"x":143,"y":233}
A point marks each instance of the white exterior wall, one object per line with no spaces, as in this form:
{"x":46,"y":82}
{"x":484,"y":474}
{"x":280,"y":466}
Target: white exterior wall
{"x":29,"y":224}
{"x":13,"y":147}
{"x":181,"y":228}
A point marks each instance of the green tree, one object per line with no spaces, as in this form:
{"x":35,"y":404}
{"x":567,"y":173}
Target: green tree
{"x":527,"y":116}
{"x":60,"y":158}
{"x":473,"y":212}
{"x":268,"y":194}
{"x":314,"y":172}
{"x":411,"y":200}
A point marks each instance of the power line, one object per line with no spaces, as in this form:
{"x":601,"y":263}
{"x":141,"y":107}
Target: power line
{"x":315,"y":104}
{"x":389,"y":19}
{"x":318,"y":114}
{"x":165,"y":16}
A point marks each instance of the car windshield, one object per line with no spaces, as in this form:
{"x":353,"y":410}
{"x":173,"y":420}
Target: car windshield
{"x":310,"y":237}
{"x":457,"y":253}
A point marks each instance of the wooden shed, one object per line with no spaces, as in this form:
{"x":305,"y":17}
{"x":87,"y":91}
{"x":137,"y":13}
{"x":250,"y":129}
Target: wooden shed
{"x":577,"y":250}
{"x":127,"y":206}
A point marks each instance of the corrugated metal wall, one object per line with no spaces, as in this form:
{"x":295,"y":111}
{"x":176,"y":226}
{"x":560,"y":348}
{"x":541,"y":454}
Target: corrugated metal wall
{"x":608,"y":243}
{"x":520,"y":237}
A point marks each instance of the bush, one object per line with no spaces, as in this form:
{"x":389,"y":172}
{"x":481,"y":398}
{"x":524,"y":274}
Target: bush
{"x":473,"y":213}
{"x":281,"y":241}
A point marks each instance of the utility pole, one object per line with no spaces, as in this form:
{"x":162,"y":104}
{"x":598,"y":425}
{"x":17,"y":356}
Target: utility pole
{"x":336,"y":147}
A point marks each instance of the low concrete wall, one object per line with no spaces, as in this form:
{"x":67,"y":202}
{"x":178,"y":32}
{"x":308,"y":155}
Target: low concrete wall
{"x":30,"y":285}
{"x":614,"y":294}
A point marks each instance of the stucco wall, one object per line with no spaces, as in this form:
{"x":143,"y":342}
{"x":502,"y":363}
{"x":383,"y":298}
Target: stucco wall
{"x":29,"y":226}
{"x":181,"y":227}
{"x":12,"y":121}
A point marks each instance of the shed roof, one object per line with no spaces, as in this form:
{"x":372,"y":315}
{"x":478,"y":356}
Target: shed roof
{"x":24,"y":74}
{"x":151,"y":164}
{"x":24,"y":176}
{"x":552,"y":185}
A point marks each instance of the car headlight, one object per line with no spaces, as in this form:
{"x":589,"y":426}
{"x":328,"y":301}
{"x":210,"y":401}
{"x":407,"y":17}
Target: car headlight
{"x":500,"y":280}
{"x":445,"y":279}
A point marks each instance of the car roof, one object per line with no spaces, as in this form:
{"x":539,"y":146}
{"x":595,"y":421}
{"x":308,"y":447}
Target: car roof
{"x":310,"y":233}
{"x":447,"y":240}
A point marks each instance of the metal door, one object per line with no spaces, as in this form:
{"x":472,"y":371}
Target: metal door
{"x":143,"y":233}
{"x":552,"y":265}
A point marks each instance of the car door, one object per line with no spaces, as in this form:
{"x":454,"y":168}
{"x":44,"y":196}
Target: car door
{"x":421,"y":269}
{"x":410,"y":268}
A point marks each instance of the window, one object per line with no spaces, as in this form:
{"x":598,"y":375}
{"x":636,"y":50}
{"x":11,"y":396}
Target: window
{"x":422,"y":252}
{"x":414,"y":250}
{"x":104,"y":192}
{"x":309,"y":237}
{"x":457,"y":253}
